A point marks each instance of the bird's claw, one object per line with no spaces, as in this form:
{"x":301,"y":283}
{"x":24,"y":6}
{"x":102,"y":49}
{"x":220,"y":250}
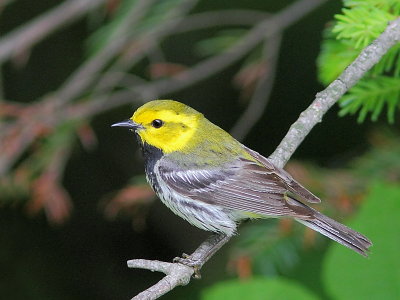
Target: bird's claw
{"x":188,"y":261}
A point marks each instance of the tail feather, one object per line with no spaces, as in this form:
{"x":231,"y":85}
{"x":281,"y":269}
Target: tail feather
{"x":338,"y":232}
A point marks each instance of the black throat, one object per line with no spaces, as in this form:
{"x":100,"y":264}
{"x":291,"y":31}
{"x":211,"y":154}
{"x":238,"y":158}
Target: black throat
{"x":151,"y":155}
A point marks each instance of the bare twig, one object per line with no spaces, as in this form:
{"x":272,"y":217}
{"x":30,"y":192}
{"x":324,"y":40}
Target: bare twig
{"x":4,"y":3}
{"x":176,"y":275}
{"x":221,"y":18}
{"x":25,"y":37}
{"x":148,"y":42}
{"x":189,"y":23}
{"x":266,"y":29}
{"x":85,"y":75}
{"x":260,"y":97}
{"x":298,"y":131}
{"x":77,"y":83}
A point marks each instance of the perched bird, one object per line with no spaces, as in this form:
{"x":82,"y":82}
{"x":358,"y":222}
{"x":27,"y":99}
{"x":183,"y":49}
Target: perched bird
{"x":211,"y":180}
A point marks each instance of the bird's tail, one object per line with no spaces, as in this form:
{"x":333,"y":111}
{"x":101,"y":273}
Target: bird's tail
{"x":338,"y":232}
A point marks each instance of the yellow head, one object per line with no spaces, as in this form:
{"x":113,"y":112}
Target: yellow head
{"x":165,"y":124}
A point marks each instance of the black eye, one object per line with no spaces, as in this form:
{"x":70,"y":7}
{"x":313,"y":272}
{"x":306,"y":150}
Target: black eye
{"x":157,"y":123}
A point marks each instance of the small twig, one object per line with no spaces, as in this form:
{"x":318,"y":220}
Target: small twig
{"x":221,"y":18}
{"x":298,"y":131}
{"x":266,"y":29}
{"x":86,"y":74}
{"x":261,"y":94}
{"x":31,"y":33}
{"x":146,"y":44}
{"x":177,"y":25}
{"x":83,"y":77}
{"x":325,"y":99}
{"x":1,"y":86}
{"x":176,"y":274}
{"x":4,"y":3}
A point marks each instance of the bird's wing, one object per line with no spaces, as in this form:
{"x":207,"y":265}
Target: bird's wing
{"x":244,"y":185}
{"x":295,"y":189}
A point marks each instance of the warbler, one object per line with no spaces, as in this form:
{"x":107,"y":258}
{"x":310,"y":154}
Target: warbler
{"x":214,"y":182}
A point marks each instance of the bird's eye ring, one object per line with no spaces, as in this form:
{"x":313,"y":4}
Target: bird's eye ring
{"x":157,"y":123}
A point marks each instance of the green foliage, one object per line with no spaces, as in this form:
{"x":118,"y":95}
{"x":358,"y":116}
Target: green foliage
{"x":389,"y":5}
{"x":348,"y":276}
{"x":361,"y":24}
{"x":357,"y":26}
{"x":258,"y":289}
{"x":271,"y":250}
{"x":334,"y":57}
{"x":370,"y":96}
{"x":381,"y":162}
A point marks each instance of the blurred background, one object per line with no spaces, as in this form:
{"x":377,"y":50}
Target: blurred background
{"x":74,"y":204}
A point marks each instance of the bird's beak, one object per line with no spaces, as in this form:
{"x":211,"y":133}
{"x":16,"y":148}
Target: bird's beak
{"x":129,"y":124}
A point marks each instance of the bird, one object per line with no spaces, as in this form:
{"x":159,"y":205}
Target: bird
{"x":214,"y":182}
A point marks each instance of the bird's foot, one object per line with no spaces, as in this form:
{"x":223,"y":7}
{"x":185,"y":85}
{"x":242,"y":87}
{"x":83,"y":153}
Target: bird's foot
{"x":187,"y":260}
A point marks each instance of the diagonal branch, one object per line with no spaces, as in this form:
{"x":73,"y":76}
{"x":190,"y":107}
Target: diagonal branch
{"x":85,"y":75}
{"x":179,"y":274}
{"x":263,"y":31}
{"x":31,"y":33}
{"x":261,"y":94}
{"x":325,"y":99}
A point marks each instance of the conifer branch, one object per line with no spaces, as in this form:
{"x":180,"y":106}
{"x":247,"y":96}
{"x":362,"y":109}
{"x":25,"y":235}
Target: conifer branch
{"x":324,"y":100}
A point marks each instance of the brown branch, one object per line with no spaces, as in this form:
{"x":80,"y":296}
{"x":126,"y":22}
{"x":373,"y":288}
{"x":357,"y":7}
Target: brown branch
{"x":176,"y":25}
{"x":298,"y":131}
{"x":57,"y":110}
{"x":86,"y":74}
{"x":260,"y":97}
{"x":265,"y":30}
{"x":221,"y":18}
{"x":144,"y":46}
{"x":31,"y":33}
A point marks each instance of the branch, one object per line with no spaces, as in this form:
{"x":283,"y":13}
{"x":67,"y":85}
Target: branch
{"x":325,"y":99}
{"x":31,"y":33}
{"x":86,"y":74}
{"x":176,"y":275}
{"x":80,"y":80}
{"x":263,"y":31}
{"x":179,"y":274}
{"x":221,"y":18}
{"x":144,"y":46}
{"x":261,"y":94}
